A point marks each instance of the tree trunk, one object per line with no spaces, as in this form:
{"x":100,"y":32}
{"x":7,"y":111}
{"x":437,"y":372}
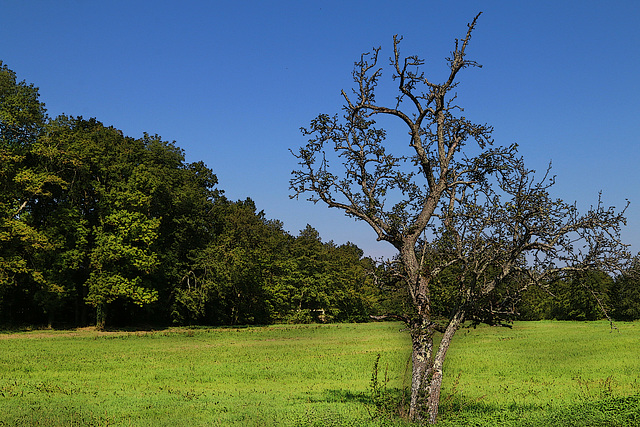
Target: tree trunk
{"x":422,"y":341}
{"x":50,"y":318}
{"x":422,"y":331}
{"x":101,"y":316}
{"x":435,"y":382}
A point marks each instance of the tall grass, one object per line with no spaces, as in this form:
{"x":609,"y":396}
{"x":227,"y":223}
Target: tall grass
{"x":538,"y":373}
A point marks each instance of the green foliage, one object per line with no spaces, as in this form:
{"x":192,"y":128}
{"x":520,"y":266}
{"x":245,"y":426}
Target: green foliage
{"x":103,"y":221}
{"x":99,"y":226}
{"x":22,"y":115}
{"x":579,"y":296}
{"x":326,"y":282}
{"x":121,"y":258}
{"x":625,"y":293}
{"x":231,"y":270}
{"x":23,"y":183}
{"x":89,"y":216}
{"x":253,"y":272}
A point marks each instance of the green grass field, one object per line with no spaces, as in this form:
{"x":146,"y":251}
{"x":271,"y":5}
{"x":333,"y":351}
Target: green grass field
{"x":538,"y":373}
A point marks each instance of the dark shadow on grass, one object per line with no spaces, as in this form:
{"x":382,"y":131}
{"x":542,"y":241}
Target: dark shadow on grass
{"x":608,"y":411}
{"x":19,"y":329}
{"x":335,"y":396}
{"x":16,"y":329}
{"x":136,"y":328}
{"x":458,"y":410}
{"x":389,"y":404}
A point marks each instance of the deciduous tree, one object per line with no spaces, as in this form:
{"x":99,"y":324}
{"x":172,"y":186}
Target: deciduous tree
{"x":624,"y":294}
{"x":103,"y":218}
{"x":24,"y":184}
{"x":450,"y":202}
{"x":227,"y":283}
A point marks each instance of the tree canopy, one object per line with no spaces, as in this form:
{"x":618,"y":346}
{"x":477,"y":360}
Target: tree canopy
{"x":97,"y":226}
{"x":473,"y":226}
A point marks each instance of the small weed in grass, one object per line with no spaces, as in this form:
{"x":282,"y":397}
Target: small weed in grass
{"x":388,"y":402}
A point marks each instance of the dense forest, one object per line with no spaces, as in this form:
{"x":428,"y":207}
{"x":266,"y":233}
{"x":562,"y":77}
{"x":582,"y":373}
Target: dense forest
{"x":97,"y":227}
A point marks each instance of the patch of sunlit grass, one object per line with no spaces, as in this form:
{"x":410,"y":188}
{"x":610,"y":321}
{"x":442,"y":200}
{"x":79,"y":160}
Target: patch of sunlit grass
{"x":536,"y":374}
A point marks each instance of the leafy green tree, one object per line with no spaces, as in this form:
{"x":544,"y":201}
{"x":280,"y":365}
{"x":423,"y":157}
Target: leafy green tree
{"x":182,"y":195}
{"x":96,"y":225}
{"x":103,"y":219}
{"x":624,"y":293}
{"x":309,"y":280}
{"x":586,"y":295}
{"x":534,"y":304}
{"x":73,"y":213}
{"x":354,"y":295}
{"x":581,"y":296}
{"x":228,"y":282}
{"x":23,"y":186}
{"x":325,"y":282}
{"x":126,"y":221}
{"x":121,"y":261}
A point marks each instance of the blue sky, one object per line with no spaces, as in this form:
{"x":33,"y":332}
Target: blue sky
{"x":232,"y":82}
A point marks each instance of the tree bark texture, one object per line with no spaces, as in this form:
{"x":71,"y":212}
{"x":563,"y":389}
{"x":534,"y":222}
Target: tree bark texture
{"x":427,"y":368}
{"x":435,"y":382}
{"x":101,"y":316}
{"x":421,"y":369}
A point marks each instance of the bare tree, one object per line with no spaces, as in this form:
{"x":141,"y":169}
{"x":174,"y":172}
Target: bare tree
{"x":452,"y":202}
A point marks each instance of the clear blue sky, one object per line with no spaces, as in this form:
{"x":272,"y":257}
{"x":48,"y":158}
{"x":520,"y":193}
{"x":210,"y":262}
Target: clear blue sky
{"x":232,"y":82}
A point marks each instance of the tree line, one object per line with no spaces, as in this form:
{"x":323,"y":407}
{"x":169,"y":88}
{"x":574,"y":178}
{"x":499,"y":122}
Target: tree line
{"x":97,"y":227}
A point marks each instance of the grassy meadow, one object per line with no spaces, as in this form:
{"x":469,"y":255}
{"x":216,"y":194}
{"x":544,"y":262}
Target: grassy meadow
{"x":538,"y":373}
